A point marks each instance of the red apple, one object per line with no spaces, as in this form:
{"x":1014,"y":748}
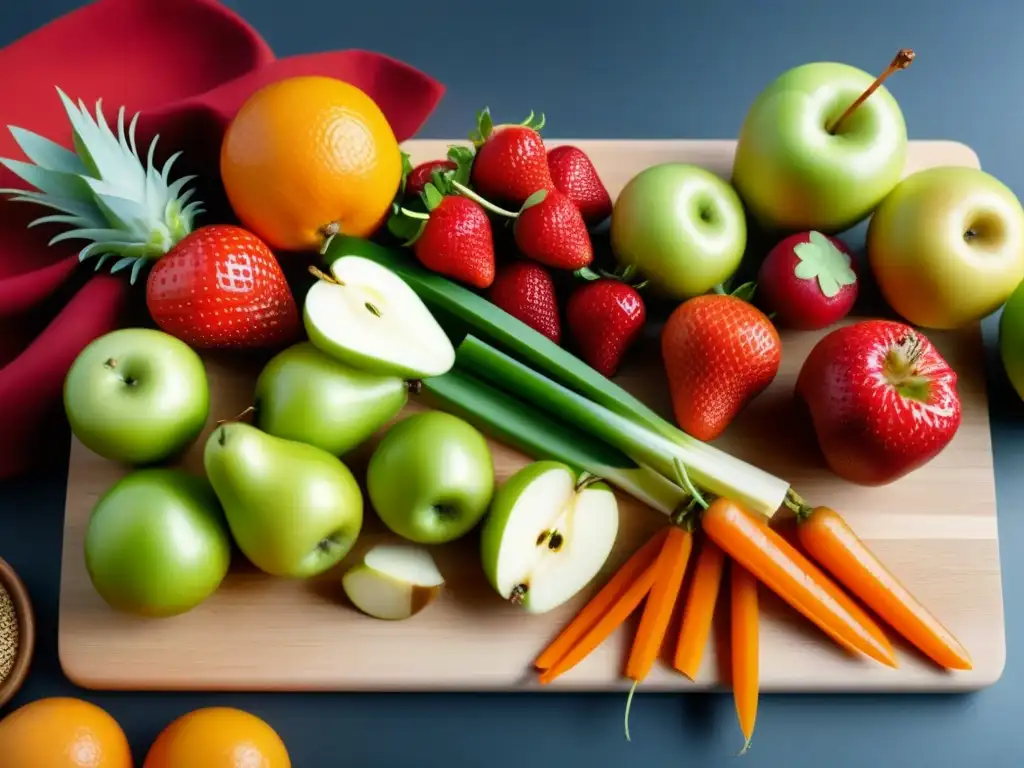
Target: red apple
{"x":882,"y":400}
{"x":809,"y":281}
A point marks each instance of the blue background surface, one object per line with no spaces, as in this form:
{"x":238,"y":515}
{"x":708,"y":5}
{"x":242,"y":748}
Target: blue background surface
{"x":637,"y":69}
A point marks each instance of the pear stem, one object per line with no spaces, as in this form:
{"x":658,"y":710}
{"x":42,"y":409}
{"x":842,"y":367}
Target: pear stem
{"x":247,"y":411}
{"x":900,"y":61}
{"x":321,"y":275}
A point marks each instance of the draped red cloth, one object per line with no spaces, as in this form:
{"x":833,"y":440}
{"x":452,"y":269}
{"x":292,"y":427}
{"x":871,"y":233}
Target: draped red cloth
{"x":186,"y":66}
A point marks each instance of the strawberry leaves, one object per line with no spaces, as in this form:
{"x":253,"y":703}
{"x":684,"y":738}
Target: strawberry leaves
{"x":485,"y":125}
{"x":407,"y":224}
{"x":820,"y":259}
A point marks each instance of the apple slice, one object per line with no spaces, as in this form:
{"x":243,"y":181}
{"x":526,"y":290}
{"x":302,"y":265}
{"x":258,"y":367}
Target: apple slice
{"x":393,"y":582}
{"x":369,"y":317}
{"x":547,"y":535}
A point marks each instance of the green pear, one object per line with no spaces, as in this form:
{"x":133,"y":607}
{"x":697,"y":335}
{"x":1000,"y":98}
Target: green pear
{"x":293,"y":509}
{"x":547,"y":535}
{"x":306,"y":395}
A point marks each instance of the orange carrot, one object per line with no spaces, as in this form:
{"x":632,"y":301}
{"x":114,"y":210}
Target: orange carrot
{"x":830,"y":541}
{"x":745,"y":651}
{"x":670,"y":567}
{"x":675,"y":553}
{"x":600,"y":603}
{"x":782,"y":568}
{"x":618,"y":612}
{"x":699,"y":608}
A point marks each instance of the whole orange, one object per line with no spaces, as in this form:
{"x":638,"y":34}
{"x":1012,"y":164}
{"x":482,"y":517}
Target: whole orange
{"x":62,"y":733}
{"x":218,"y":737}
{"x":306,"y":157}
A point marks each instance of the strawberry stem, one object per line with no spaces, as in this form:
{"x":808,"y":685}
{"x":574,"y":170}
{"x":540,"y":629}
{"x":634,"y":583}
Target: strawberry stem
{"x":465,"y":191}
{"x":414,"y":214}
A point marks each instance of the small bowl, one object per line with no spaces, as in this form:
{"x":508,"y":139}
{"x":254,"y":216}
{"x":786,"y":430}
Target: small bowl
{"x":26,"y":632}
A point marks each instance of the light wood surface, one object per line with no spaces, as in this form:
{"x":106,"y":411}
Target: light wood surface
{"x":936,"y":529}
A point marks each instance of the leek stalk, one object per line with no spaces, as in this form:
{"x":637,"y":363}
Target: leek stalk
{"x":462,"y":313}
{"x":708,"y":467}
{"x":517,"y":425}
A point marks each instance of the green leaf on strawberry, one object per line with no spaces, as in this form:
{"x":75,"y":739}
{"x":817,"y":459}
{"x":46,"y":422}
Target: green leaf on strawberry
{"x":405,"y":227}
{"x":406,"y":170}
{"x":432,"y":196}
{"x":484,"y":127}
{"x":463,"y":159}
{"x":745,"y":291}
{"x":821,"y":260}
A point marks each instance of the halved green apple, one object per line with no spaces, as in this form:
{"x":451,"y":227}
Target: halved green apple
{"x":369,"y":317}
{"x":393,"y":581}
{"x":547,"y":535}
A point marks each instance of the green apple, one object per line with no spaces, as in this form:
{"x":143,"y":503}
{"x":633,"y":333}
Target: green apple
{"x":946,"y":247}
{"x":681,"y":226}
{"x":306,"y":395}
{"x":393,"y":581}
{"x":156,"y":543}
{"x":1011,"y":339}
{"x":294,"y":510}
{"x":431,"y":477}
{"x":137,"y":396}
{"x":547,"y":535}
{"x":369,"y":317}
{"x":794,"y":174}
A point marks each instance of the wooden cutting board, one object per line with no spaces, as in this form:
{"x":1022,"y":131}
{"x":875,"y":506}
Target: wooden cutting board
{"x":936,"y":529}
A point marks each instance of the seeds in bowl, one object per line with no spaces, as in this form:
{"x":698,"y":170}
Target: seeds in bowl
{"x":8,"y":634}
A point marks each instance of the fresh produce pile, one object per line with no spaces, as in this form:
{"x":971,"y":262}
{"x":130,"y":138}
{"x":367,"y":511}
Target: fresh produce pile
{"x":473,"y":282}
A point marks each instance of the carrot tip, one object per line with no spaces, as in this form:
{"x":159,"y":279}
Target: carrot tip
{"x":629,"y":704}
{"x":746,"y":747}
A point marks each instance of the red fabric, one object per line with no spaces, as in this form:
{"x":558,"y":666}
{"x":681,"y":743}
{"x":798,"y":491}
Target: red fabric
{"x":186,"y":66}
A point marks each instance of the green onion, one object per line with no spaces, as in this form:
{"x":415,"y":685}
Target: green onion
{"x":708,"y":467}
{"x":461,"y":312}
{"x":517,"y":425}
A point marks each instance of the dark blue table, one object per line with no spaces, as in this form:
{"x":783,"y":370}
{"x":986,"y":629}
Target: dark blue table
{"x":637,"y":69}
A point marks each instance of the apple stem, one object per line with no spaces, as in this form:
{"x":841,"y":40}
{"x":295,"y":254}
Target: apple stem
{"x":320,"y":274}
{"x":465,"y":191}
{"x":901,"y":61}
{"x":247,"y":411}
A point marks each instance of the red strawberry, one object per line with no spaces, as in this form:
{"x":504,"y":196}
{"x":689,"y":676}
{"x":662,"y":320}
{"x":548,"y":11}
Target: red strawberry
{"x":420,"y":175}
{"x":882,"y":400}
{"x":511,"y":162}
{"x":456,"y":240}
{"x":809,"y":280}
{"x":550,"y":229}
{"x":573,"y":173}
{"x":605,"y":318}
{"x":719,"y":352}
{"x":222,"y":287}
{"x":525,"y":290}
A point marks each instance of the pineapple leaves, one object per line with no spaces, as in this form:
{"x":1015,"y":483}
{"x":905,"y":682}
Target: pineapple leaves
{"x":102,"y":191}
{"x":47,"y":154}
{"x":49,"y":182}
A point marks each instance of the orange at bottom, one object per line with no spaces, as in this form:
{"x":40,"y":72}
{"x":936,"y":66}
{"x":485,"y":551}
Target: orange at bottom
{"x":218,"y":737}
